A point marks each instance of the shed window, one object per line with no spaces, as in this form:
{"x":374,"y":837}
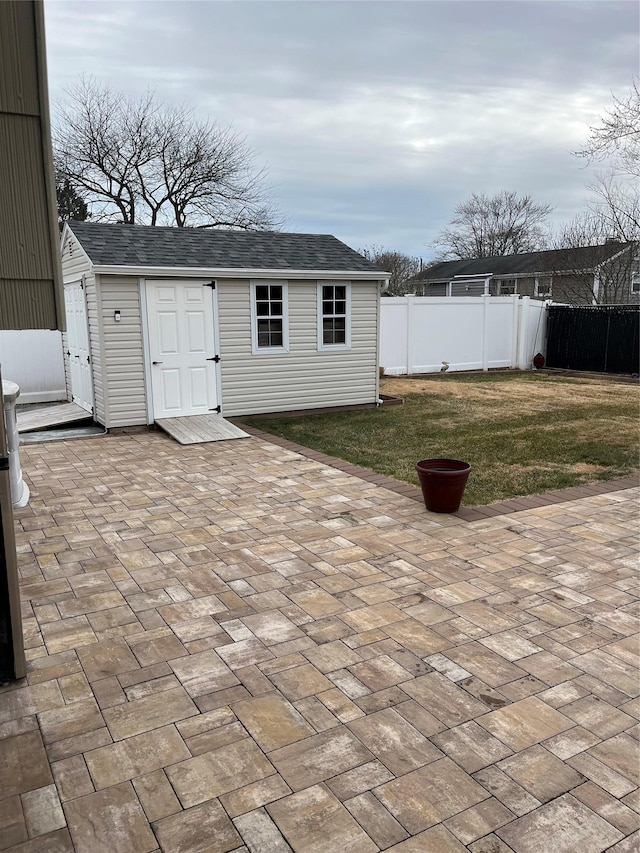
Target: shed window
{"x":269,"y":317}
{"x":334,"y":315}
{"x":635,"y":282}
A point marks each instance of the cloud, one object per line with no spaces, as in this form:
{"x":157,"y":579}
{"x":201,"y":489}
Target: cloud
{"x":375,"y":118}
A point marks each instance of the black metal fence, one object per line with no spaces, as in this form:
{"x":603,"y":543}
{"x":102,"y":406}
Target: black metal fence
{"x":598,"y":338}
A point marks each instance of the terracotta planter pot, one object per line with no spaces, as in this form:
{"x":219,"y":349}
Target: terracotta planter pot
{"x":442,"y":482}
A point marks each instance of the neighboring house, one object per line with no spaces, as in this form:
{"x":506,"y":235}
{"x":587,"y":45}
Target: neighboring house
{"x":607,"y":274}
{"x":169,"y":322}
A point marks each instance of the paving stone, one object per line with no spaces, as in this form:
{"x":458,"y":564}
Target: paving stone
{"x":479,"y":820}
{"x":471,"y":746}
{"x":272,"y":721}
{"x":353,"y":782}
{"x":383,"y":829}
{"x":205,"y":828}
{"x":203,"y":673}
{"x":254,"y":795}
{"x":332,"y":656}
{"x":301,"y":681}
{"x":42,"y":811}
{"x":314,"y":821}
{"x":218,"y":772}
{"x":260,"y":833}
{"x":13,"y":829}
{"x":320,"y":757}
{"x":540,"y":773}
{"x":430,"y":794}
{"x":24,"y":764}
{"x":148,"y":713}
{"x":622,"y":754}
{"x":135,"y":756}
{"x":380,"y":672}
{"x":570,"y":743}
{"x":447,"y":702}
{"x":612,"y":810}
{"x":394,"y":741}
{"x":598,"y":716}
{"x":506,"y":790}
{"x":569,"y":822}
{"x":156,"y":795}
{"x":109,"y":821}
{"x":525,"y":722}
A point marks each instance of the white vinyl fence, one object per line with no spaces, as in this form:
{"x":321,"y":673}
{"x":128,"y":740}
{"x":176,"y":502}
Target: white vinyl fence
{"x":33,"y":360}
{"x":429,"y":334}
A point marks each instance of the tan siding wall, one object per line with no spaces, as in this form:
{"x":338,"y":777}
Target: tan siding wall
{"x":30,"y":285}
{"x":303,"y":378}
{"x":125,"y":396}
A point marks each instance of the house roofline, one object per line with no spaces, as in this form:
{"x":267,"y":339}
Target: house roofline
{"x":236,"y":272}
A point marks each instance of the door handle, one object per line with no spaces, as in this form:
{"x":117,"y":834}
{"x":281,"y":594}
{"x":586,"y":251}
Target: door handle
{"x":157,"y":362}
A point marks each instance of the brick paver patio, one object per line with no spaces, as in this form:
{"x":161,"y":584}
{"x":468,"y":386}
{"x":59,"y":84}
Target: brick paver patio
{"x":233,"y":647}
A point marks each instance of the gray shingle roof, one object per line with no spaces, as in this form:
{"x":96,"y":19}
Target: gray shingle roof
{"x":143,"y":245}
{"x":554,"y":260}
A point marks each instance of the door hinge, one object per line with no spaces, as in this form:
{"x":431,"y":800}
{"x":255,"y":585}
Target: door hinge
{"x":217,"y":409}
{"x":214,"y":358}
{"x":210,"y":284}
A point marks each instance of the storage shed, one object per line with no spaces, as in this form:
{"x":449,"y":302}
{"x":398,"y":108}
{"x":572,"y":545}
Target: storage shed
{"x":172,"y":322}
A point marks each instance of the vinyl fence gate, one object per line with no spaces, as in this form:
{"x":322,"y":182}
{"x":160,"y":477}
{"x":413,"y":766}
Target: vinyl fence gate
{"x":597,"y":338}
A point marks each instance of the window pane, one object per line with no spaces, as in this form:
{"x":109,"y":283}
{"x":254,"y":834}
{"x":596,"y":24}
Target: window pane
{"x":341,"y":292}
{"x":276,"y":309}
{"x":276,"y":291}
{"x":327,"y":291}
{"x":262,"y":292}
{"x":327,"y":308}
{"x":262,"y":309}
{"x":341,"y":308}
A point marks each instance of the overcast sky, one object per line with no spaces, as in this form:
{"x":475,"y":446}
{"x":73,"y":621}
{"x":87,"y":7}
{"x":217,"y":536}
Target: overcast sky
{"x":374,"y":119}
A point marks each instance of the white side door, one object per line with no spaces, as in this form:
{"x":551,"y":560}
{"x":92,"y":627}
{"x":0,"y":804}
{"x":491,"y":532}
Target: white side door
{"x":181,"y":348}
{"x":78,"y":345}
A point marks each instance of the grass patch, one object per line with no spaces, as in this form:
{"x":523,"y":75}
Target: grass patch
{"x":522,"y":434}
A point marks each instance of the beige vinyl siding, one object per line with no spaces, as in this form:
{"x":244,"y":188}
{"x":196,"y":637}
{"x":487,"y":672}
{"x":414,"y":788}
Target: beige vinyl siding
{"x":125,"y":398}
{"x":30,"y":283}
{"x":303,"y":378}
{"x":76,"y":267}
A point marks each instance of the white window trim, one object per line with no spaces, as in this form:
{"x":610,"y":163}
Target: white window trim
{"x":635,"y":282}
{"x":255,"y":349}
{"x":508,"y":282}
{"x":547,"y":293}
{"x":322,"y":347}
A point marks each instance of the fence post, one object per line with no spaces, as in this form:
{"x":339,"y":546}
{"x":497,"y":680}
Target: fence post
{"x":485,"y":326}
{"x":410,"y":332}
{"x":524,"y":361}
{"x":515,"y":320}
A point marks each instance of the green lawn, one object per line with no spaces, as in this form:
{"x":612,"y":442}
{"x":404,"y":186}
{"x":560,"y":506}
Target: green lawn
{"x":522,"y":433}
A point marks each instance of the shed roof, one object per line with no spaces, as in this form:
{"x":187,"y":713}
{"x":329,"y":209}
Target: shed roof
{"x":110,"y":244}
{"x":583,"y":259}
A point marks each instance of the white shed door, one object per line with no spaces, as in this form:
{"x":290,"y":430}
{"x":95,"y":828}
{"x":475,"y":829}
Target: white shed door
{"x":181,"y":348}
{"x":78,"y":346}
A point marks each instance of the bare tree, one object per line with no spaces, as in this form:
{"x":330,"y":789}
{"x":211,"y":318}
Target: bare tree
{"x":400,"y":266}
{"x":615,"y":142}
{"x":597,"y":268}
{"x":487,"y":226}
{"x":138,"y":160}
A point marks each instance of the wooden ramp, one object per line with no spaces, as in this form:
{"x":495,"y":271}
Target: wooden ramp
{"x":197,"y":429}
{"x":42,"y":417}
